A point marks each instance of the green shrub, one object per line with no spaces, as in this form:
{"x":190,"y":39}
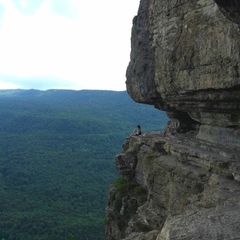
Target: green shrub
{"x":122,"y":186}
{"x":138,"y":189}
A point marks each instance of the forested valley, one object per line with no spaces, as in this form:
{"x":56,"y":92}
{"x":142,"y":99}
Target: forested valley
{"x":57,"y":159}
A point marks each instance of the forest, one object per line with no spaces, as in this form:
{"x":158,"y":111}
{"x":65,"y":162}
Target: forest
{"x":57,"y":159}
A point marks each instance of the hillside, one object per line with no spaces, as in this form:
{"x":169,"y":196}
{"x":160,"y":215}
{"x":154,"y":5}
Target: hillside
{"x":57,"y":150}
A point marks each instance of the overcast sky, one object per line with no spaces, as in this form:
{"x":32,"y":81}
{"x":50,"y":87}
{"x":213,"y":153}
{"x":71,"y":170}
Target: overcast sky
{"x":65,"y":44}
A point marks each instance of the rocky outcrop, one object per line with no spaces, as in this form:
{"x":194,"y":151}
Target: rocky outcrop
{"x":185,"y":57}
{"x":182,"y":182}
{"x":190,"y":189}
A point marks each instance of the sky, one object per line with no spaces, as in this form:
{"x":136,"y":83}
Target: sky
{"x":65,"y":44}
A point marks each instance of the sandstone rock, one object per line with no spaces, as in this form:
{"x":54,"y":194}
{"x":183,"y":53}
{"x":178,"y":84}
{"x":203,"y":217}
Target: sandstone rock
{"x":209,"y":224}
{"x":185,"y":57}
{"x":220,"y":135}
{"x":143,"y":236}
{"x":183,"y":182}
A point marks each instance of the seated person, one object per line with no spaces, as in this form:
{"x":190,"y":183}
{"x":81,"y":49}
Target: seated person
{"x":137,"y":132}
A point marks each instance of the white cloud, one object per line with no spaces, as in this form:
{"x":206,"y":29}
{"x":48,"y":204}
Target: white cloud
{"x":89,"y":49}
{"x":6,"y":85}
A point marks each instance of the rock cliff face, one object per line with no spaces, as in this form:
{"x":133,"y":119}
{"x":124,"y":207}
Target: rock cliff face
{"x":183,"y":182}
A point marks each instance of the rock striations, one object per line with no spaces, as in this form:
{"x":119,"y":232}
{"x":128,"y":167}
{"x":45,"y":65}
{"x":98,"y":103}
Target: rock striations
{"x":182,"y":183}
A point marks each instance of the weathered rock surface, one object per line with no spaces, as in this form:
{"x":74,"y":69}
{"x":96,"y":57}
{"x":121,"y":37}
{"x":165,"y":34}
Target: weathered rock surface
{"x":185,"y":56}
{"x":191,"y":187}
{"x":182,"y":183}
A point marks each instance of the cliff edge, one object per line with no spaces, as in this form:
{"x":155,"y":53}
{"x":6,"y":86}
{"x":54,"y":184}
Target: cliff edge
{"x":183,"y":182}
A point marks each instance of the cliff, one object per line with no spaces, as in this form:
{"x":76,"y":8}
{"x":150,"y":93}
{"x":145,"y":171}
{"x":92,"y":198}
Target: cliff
{"x":183,"y":182}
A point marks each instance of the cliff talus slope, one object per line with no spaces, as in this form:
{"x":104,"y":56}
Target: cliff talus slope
{"x":182,"y":182}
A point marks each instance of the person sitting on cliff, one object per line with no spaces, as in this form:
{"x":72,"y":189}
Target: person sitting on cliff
{"x":137,"y":132}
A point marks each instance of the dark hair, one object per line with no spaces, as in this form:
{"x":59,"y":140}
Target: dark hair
{"x":138,"y":126}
